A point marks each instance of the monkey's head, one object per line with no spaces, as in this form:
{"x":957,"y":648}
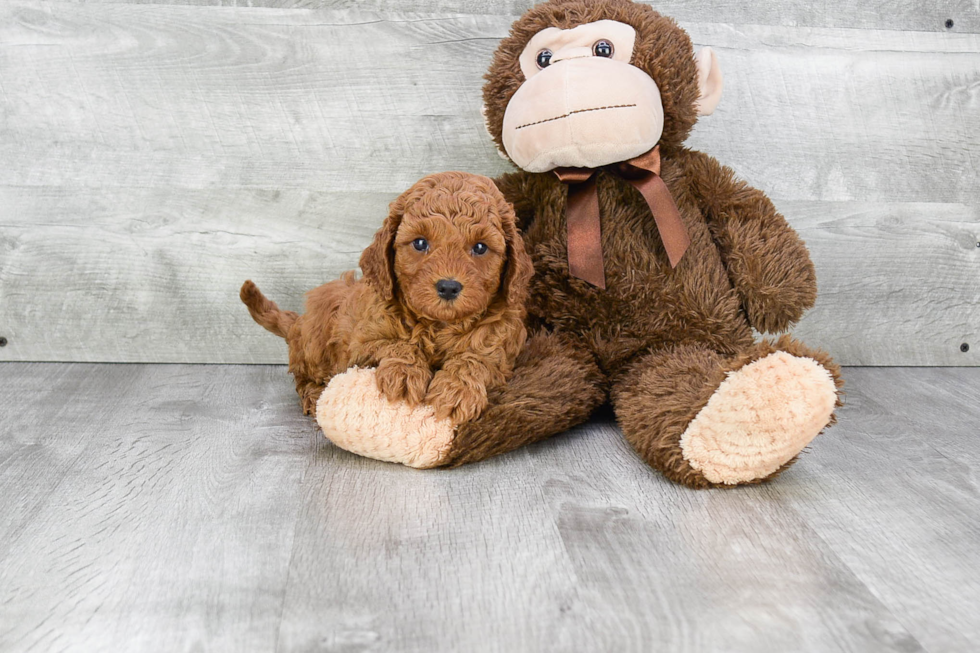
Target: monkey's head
{"x":582,"y":83}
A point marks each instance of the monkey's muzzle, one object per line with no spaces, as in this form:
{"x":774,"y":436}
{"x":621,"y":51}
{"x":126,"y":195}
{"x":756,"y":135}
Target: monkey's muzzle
{"x":583,"y":113}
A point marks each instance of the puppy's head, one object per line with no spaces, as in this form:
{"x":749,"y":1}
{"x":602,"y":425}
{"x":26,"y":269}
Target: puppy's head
{"x":449,"y":249}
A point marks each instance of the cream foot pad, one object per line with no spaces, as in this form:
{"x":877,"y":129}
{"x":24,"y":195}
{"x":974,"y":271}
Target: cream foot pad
{"x":759,"y":418}
{"x":355,"y":416}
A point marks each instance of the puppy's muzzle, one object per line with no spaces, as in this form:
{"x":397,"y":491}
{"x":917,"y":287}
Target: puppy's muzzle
{"x":448,"y":289}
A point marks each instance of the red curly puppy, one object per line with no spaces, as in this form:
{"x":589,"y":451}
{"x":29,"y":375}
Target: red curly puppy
{"x":439,"y":310}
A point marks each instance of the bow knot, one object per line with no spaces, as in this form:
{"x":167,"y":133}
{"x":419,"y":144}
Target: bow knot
{"x":582,"y":214}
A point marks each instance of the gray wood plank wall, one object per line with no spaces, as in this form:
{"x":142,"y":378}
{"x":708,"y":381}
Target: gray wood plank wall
{"x":153,"y":156}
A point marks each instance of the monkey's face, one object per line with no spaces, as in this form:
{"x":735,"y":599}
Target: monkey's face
{"x":583,"y":104}
{"x":582,"y":83}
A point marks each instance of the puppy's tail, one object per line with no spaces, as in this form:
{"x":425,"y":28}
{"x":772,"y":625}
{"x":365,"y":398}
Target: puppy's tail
{"x":265,"y":312}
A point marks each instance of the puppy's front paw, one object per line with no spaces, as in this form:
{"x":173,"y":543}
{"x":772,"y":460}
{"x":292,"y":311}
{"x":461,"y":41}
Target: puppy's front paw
{"x":456,"y":399}
{"x":399,"y":381}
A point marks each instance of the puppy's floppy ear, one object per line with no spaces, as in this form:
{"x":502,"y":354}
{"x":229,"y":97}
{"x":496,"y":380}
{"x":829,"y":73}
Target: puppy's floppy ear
{"x":518,"y":269}
{"x":378,"y":259}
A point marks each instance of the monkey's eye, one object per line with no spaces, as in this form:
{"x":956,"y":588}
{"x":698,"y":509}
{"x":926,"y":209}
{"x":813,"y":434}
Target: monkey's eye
{"x":602,"y":48}
{"x":544,"y":58}
{"x":480,"y":249}
{"x":420,"y":244}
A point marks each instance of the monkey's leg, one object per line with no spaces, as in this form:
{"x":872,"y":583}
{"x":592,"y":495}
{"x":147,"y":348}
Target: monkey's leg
{"x":554,"y":387}
{"x":705,"y":420}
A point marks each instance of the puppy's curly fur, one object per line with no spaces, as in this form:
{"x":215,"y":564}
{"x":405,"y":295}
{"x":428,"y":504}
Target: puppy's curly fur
{"x":445,"y":353}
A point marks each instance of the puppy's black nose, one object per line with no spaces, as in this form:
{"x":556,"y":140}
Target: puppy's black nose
{"x":448,"y":289}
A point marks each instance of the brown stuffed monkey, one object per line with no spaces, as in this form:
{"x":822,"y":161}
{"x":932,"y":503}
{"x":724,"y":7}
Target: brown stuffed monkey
{"x":652,"y":265}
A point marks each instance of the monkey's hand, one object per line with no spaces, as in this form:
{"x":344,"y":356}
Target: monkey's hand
{"x":767,"y":262}
{"x":775,"y":278}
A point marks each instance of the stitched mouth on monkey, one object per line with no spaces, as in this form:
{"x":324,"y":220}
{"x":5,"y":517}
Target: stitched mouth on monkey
{"x":575,"y":111}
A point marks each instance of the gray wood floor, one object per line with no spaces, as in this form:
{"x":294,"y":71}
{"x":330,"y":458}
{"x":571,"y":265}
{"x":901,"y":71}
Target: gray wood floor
{"x":171,"y":508}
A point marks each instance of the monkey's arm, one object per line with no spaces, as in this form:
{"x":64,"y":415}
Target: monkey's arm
{"x":768,"y":263}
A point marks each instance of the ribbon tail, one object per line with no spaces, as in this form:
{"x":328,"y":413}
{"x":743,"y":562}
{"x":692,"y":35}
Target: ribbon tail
{"x":585,"y":233}
{"x":673,"y":233}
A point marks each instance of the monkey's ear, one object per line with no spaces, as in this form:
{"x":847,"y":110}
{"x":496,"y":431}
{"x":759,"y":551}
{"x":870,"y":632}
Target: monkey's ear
{"x":710,"y":81}
{"x":378,"y":259}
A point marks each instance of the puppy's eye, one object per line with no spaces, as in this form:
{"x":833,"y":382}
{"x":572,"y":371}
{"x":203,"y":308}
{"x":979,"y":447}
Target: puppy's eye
{"x":544,"y":58}
{"x":420,"y":244}
{"x":480,"y":249}
{"x":602,"y":48}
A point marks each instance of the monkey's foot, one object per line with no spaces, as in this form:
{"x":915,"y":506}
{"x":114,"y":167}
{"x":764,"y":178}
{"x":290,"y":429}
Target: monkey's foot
{"x":355,"y":416}
{"x":760,"y":417}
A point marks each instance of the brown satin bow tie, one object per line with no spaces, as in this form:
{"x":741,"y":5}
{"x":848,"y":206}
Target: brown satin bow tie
{"x":582,"y":214}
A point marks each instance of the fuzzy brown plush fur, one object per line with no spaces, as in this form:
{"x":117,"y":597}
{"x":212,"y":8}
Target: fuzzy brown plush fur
{"x":445,"y":353}
{"x":658,"y":342}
